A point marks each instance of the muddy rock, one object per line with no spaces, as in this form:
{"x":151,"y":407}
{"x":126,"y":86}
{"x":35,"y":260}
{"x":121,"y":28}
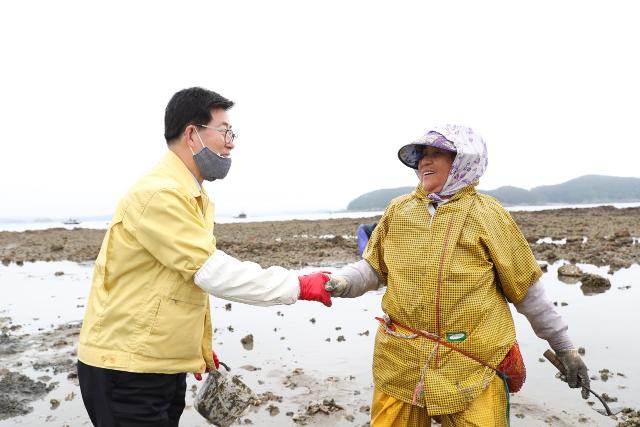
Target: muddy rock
{"x":570,"y":270}
{"x":17,"y":391}
{"x":326,"y":407}
{"x":9,"y":344}
{"x":12,"y":407}
{"x":267,"y":396}
{"x":621,"y":233}
{"x":629,"y":418}
{"x":300,"y":419}
{"x":56,"y":365}
{"x":247,"y":342}
{"x":291,"y":381}
{"x":594,"y":284}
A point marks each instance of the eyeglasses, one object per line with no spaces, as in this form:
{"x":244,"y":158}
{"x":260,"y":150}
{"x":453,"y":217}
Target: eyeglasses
{"x":229,"y":135}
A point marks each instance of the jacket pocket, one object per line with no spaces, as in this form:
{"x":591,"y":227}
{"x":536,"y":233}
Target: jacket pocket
{"x":176,"y":332}
{"x":188,"y":292}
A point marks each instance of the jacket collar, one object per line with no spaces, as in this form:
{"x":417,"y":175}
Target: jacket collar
{"x":182,"y":174}
{"x":469,"y":189}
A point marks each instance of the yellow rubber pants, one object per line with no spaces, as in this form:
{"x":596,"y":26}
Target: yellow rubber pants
{"x":487,"y":410}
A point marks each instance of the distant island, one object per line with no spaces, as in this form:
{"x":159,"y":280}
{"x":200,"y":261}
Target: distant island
{"x":585,"y":189}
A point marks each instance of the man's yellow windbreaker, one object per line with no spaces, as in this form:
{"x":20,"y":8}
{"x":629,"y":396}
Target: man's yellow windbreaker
{"x":144,"y":312}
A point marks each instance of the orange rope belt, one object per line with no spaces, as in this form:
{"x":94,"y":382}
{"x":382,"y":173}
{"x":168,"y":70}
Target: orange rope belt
{"x":390,"y":328}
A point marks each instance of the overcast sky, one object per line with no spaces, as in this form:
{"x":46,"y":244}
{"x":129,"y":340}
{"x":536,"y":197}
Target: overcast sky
{"x":326,"y":92}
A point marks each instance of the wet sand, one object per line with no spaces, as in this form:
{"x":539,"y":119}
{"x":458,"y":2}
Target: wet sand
{"x":299,"y":362}
{"x":310,"y":365}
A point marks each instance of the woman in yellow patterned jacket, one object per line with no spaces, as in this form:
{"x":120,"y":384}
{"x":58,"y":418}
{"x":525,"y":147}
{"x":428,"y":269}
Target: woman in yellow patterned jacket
{"x":452,"y":259}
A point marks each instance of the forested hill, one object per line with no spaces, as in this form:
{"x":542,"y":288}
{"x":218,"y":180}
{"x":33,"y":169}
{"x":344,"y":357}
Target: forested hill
{"x":585,"y":189}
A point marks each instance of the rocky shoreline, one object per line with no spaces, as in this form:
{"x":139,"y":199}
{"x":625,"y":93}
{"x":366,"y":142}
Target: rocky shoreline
{"x":598,"y":236}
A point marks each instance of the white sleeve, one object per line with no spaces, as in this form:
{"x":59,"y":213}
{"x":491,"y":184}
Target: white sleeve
{"x":226,"y":277}
{"x":361,"y":278}
{"x":545,"y":321}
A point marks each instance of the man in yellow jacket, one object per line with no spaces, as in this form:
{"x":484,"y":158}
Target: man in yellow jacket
{"x":147,"y":321}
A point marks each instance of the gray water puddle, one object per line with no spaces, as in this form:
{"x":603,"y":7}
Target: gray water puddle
{"x":306,"y":352}
{"x":41,"y":294}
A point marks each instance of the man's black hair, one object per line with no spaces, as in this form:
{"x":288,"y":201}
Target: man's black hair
{"x":191,"y":106}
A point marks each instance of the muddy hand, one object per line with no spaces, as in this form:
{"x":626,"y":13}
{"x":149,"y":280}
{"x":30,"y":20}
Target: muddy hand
{"x":577,"y":374}
{"x":337,"y":285}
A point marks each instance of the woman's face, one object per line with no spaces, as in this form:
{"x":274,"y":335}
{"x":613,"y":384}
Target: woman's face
{"x":434,"y":167}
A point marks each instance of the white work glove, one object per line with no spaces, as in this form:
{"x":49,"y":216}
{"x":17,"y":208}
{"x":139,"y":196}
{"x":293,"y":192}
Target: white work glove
{"x":338,"y":286}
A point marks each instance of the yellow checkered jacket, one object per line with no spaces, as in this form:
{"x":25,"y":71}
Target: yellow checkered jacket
{"x":452,"y":275}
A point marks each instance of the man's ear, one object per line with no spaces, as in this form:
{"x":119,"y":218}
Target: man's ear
{"x":189,"y":137}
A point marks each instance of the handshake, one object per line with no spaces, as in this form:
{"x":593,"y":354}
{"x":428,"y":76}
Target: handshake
{"x":321,"y":287}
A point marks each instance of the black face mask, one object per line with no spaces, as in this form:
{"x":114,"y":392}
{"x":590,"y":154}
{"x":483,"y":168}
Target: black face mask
{"x":211,"y":165}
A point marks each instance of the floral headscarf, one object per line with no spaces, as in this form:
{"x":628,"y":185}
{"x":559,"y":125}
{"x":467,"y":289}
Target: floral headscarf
{"x":468,"y":166}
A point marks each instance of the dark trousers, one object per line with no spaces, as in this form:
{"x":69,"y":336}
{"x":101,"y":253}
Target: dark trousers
{"x":123,"y":399}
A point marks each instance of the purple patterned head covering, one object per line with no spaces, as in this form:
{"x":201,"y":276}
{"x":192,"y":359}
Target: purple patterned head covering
{"x":469,"y":164}
{"x":411,"y":154}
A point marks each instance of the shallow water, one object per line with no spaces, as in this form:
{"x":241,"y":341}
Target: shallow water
{"x":34,"y":297}
{"x":605,"y":325}
{"x":285,"y":339}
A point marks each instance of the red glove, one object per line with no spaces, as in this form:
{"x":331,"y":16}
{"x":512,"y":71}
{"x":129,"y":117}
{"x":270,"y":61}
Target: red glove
{"x":312,"y":288}
{"x":216,"y":363}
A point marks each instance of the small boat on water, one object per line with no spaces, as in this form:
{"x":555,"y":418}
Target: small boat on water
{"x":241,"y":215}
{"x":71,"y":221}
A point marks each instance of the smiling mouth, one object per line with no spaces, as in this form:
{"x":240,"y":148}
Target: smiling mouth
{"x":428,"y":173}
